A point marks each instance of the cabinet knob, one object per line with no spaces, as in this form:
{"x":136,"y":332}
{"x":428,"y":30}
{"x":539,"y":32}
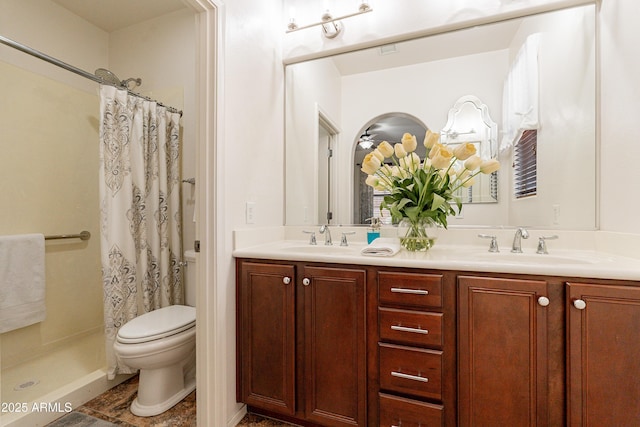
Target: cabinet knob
{"x":306,"y":281}
{"x":579,"y":304}
{"x":286,"y":280}
{"x":543,"y":301}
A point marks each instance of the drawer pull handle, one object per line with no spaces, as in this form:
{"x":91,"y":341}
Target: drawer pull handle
{"x":410,"y":291}
{"x":405,"y":329}
{"x":409,"y":377}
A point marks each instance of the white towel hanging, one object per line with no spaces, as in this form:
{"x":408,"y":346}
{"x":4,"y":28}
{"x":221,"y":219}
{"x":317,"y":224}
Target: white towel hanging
{"x":22,"y":281}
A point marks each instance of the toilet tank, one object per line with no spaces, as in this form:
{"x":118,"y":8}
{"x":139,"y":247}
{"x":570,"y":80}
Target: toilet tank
{"x":190,"y":278}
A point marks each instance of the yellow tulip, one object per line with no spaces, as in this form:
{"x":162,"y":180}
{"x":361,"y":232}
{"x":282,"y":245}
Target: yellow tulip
{"x":472,"y":163}
{"x":410,"y":162}
{"x":443,"y":158}
{"x":385,"y":148}
{"x":431,"y":138}
{"x":372,"y":181}
{"x":468,"y":183}
{"x":434,"y":150}
{"x":489,"y":166}
{"x":370,"y":164}
{"x":409,"y":142}
{"x":464,"y":151}
{"x":399,"y":150}
{"x":378,"y":154}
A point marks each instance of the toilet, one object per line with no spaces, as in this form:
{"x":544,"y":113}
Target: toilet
{"x":162,"y":344}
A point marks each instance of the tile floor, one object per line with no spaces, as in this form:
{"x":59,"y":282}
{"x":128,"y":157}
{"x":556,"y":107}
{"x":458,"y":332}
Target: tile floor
{"x":112,"y":409}
{"x":113,"y":406}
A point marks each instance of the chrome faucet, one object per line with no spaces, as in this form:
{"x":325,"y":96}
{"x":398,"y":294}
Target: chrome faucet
{"x":327,"y":234}
{"x":521,"y":233}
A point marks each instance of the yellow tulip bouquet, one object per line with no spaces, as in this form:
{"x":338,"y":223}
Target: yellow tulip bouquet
{"x":422,"y":192}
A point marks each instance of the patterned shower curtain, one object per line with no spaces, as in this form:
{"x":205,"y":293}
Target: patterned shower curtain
{"x":141,"y":243}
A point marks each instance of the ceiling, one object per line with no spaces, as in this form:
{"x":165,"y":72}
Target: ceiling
{"x":112,"y":15}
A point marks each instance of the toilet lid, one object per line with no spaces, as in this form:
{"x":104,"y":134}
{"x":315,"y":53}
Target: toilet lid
{"x":158,"y":324}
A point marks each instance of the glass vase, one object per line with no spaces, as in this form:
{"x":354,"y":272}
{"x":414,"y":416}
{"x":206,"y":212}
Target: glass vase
{"x":418,"y":236}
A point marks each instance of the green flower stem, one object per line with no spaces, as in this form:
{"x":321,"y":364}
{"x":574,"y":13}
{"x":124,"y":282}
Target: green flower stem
{"x":416,"y":238}
{"x":463,"y":182}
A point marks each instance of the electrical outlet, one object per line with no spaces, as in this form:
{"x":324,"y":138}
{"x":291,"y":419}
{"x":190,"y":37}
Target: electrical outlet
{"x":556,"y":214}
{"x":250,"y":213}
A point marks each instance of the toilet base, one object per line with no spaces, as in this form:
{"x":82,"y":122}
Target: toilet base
{"x":157,"y":408}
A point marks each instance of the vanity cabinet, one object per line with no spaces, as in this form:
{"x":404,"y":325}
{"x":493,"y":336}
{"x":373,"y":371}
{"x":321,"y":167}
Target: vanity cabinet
{"x":341,"y":345}
{"x":503,"y":353}
{"x":302,"y":341}
{"x":416,"y":349}
{"x":603,"y":338}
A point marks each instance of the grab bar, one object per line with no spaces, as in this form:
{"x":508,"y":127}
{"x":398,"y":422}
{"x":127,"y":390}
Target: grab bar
{"x":83,"y":235}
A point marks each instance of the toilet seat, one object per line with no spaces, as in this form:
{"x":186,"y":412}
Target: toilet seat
{"x":158,"y":324}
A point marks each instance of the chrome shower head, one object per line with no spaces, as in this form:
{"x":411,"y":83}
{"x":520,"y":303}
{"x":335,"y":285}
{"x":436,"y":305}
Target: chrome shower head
{"x":107,"y":76}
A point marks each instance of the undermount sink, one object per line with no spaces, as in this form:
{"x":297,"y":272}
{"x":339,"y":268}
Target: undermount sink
{"x":321,"y":249}
{"x":525,"y":258}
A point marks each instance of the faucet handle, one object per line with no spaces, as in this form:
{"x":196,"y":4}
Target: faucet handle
{"x":493,"y":245}
{"x":542,"y":243}
{"x":343,"y":240}
{"x":312,"y":239}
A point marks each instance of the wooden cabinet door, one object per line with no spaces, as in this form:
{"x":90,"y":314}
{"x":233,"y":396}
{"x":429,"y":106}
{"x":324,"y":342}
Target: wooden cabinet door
{"x":502,"y":350}
{"x":335,"y":346}
{"x":604,"y":355}
{"x":266,"y":323}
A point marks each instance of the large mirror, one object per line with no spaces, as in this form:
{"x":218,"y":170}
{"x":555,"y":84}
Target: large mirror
{"x":424,"y":79}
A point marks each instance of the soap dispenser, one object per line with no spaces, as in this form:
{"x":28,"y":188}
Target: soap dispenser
{"x":374,"y":231}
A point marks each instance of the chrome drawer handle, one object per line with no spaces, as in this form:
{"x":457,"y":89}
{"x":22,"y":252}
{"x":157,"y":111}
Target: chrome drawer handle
{"x":405,"y":329}
{"x":409,"y":377}
{"x":410,"y":291}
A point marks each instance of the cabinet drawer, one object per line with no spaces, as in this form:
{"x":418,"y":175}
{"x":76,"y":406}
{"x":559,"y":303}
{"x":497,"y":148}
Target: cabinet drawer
{"x":397,"y":411}
{"x":410,"y":290}
{"x":410,"y":327}
{"x":411,"y":371}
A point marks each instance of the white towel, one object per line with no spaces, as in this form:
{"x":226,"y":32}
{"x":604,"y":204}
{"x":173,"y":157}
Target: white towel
{"x":382,"y":246}
{"x":21,"y":281}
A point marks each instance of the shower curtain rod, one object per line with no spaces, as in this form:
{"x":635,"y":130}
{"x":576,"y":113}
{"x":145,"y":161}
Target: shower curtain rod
{"x":78,"y":71}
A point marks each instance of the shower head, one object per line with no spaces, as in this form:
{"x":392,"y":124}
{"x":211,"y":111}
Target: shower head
{"x":110,"y":78}
{"x":107,"y":76}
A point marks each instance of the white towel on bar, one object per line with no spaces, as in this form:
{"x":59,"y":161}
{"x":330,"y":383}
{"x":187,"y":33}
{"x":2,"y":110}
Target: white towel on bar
{"x":382,"y":246}
{"x":22,"y":283}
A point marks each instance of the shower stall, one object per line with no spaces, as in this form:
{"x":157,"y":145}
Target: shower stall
{"x":49,"y":184}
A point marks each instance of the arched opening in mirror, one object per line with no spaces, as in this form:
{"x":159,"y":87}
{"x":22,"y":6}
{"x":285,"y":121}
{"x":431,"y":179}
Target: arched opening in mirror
{"x":387,"y":127}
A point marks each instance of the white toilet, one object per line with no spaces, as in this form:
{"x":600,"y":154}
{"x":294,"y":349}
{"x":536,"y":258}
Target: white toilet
{"x":162,"y":345}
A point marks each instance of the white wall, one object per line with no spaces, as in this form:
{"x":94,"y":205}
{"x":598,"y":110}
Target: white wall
{"x":620,"y":96}
{"x":252,"y":152}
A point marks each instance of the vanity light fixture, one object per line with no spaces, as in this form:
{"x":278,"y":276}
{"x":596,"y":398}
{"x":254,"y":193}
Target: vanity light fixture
{"x":331,"y":26}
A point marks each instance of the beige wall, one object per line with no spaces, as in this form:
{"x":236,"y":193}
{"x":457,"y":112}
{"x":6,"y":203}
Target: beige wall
{"x":161,"y":52}
{"x":49,"y":185}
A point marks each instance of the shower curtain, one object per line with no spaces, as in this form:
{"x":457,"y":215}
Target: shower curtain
{"x":141,"y":243}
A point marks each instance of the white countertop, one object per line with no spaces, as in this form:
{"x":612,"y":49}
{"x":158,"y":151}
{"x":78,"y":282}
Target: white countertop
{"x":560,"y":262}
